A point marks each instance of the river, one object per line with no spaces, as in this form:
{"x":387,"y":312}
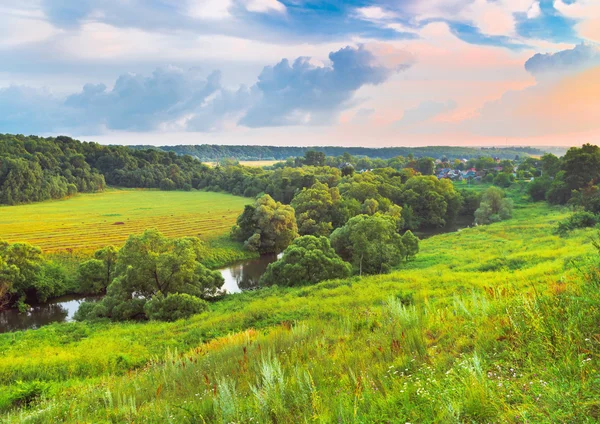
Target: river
{"x":238,"y":277}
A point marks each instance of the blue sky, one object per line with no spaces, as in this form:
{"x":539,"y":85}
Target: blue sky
{"x":360,"y":72}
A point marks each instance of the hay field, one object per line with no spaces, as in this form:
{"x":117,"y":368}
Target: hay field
{"x":89,"y":221}
{"x":250,"y":163}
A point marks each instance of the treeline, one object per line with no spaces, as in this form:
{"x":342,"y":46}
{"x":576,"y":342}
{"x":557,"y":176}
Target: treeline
{"x":34,"y":168}
{"x":212,"y":152}
{"x":573,"y":180}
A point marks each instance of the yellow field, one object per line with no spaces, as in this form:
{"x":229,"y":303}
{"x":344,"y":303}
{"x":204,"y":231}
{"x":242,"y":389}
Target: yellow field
{"x":253,"y":163}
{"x":89,"y":221}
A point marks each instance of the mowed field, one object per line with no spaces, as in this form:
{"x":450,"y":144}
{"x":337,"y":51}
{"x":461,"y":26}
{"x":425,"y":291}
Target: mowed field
{"x":89,"y":221}
{"x":251,"y":163}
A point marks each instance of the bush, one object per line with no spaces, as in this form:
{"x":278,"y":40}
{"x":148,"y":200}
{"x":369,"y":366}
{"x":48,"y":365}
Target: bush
{"x":167,"y":184}
{"x":173,"y":307}
{"x":503,"y":179}
{"x":494,"y":207}
{"x":577,"y":220}
{"x":538,"y":188}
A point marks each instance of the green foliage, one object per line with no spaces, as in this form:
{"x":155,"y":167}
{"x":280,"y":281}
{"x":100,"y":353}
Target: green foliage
{"x":434,"y":202}
{"x":314,"y":158}
{"x":314,"y":209}
{"x":25,"y":275}
{"x":456,"y":345}
{"x":24,"y":393}
{"x":411,"y":244}
{"x":150,"y":264}
{"x":470,"y":202}
{"x":271,"y":224}
{"x":494,"y":207}
{"x":307,"y":260}
{"x":581,"y":219}
{"x":174,"y":306}
{"x":95,"y":275}
{"x":538,"y":188}
{"x":370,"y":243}
{"x":503,"y":179}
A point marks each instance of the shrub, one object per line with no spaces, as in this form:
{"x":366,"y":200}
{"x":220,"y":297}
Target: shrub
{"x":308,"y":259}
{"x":538,"y":188}
{"x":173,"y":307}
{"x":582,"y":219}
{"x":494,"y":207}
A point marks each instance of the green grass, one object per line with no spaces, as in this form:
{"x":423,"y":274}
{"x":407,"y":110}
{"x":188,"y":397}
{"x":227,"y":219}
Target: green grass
{"x":503,"y":327}
{"x":89,"y":221}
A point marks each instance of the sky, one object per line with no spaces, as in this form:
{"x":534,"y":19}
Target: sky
{"x":368,"y":73}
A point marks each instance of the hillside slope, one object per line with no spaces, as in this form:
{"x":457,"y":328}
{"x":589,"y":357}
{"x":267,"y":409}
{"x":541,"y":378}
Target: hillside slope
{"x":489,"y":324}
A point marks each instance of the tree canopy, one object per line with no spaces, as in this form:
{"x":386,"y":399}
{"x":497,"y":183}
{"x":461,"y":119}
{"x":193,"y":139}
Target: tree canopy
{"x":308,"y":259}
{"x":267,"y":226}
{"x":151,"y":266}
{"x":370,"y":243}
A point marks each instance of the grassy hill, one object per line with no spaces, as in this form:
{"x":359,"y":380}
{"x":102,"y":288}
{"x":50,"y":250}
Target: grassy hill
{"x":489,"y":324}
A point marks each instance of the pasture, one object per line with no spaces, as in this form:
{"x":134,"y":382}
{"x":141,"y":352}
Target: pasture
{"x":89,"y":221}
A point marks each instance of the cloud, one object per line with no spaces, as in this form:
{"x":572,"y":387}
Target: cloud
{"x":174,"y":99}
{"x":586,"y":12}
{"x":577,"y":59}
{"x":302,"y":93}
{"x":142,"y":103}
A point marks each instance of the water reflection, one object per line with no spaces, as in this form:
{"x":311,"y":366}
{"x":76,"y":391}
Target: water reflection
{"x":60,"y":309}
{"x":245,"y":275}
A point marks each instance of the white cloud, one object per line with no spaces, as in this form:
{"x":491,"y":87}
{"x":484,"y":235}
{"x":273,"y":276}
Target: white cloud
{"x":20,"y":27}
{"x":374,"y":13}
{"x":210,"y":9}
{"x":588,"y":14}
{"x":263,"y":6}
{"x":534,"y":11}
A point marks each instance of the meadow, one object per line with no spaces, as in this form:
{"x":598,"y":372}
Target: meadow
{"x":89,"y":221}
{"x":488,"y":324}
{"x":251,"y":163}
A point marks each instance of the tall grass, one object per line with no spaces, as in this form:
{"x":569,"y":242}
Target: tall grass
{"x":512,"y":344}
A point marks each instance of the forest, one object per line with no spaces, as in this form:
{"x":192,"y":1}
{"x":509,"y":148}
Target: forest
{"x":207,"y":152}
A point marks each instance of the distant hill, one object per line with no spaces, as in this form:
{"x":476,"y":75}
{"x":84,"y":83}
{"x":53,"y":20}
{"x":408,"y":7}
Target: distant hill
{"x":212,"y":152}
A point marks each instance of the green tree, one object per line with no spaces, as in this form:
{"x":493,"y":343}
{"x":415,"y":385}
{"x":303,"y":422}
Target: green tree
{"x":95,"y":275}
{"x":20,"y":265}
{"x":308,"y":259}
{"x":538,"y":188}
{"x":314,"y":208}
{"x":272,"y":225}
{"x":503,"y":179}
{"x":151,"y":264}
{"x":494,"y":207}
{"x":314,"y":158}
{"x":370,"y":243}
{"x":550,"y":165}
{"x":581,"y":166}
{"x":370,"y":207}
{"x":411,"y":244}
{"x":425,"y":166}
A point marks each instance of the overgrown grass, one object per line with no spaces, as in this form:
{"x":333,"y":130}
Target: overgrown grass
{"x":489,"y":324}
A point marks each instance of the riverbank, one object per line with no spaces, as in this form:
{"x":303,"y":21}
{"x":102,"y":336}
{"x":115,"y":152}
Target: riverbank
{"x":477,"y":270}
